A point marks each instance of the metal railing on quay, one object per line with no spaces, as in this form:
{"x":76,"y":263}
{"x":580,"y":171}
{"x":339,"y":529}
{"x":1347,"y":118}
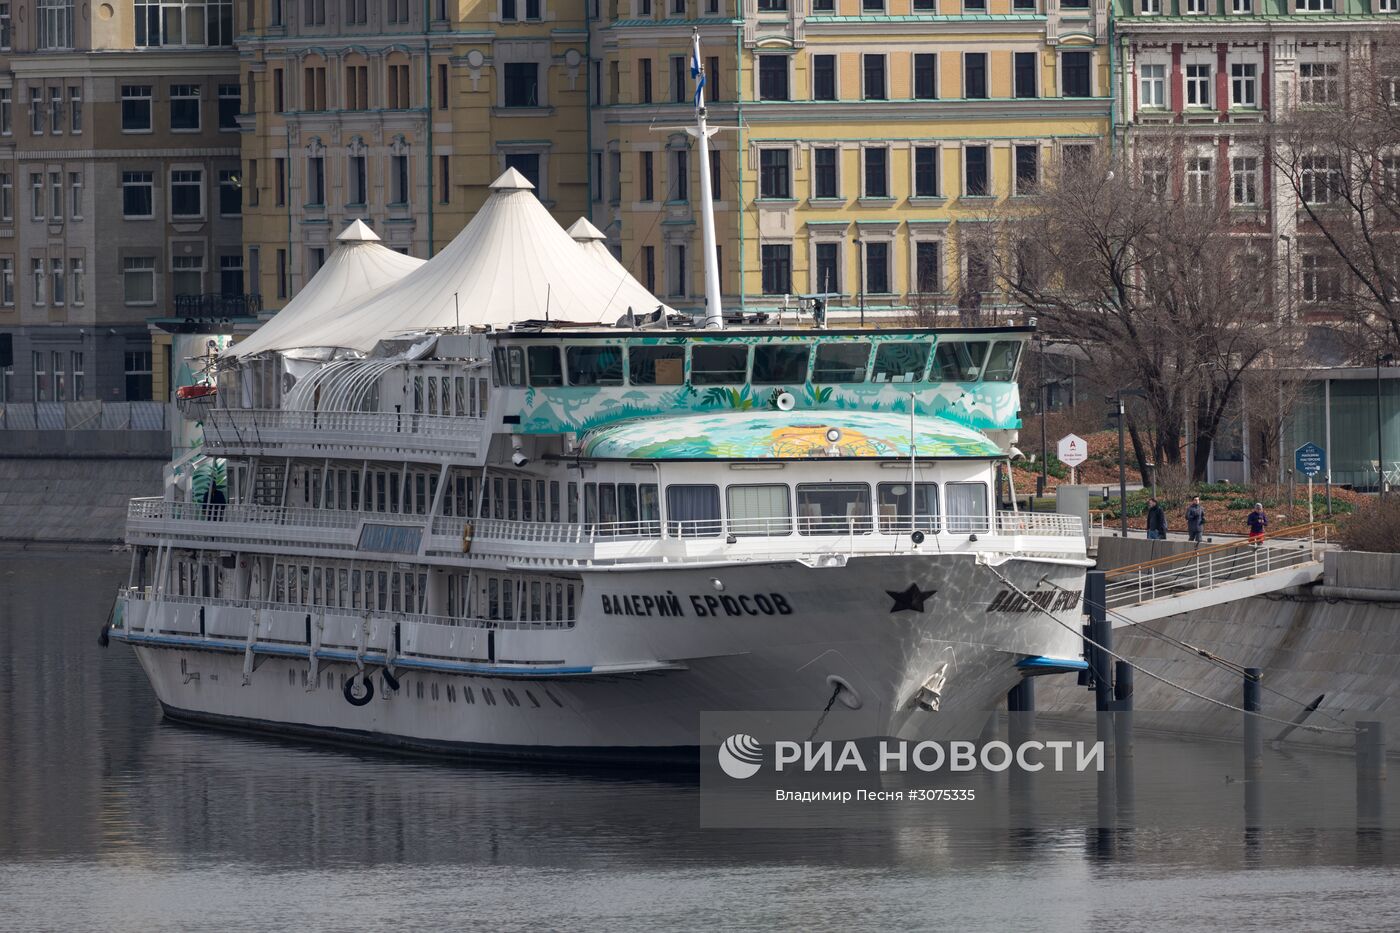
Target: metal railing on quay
{"x":83,"y":416}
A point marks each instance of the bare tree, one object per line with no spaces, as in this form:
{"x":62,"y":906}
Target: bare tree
{"x":1337,"y":153}
{"x":1153,"y":283}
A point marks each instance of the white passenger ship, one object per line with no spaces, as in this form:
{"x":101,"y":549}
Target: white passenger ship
{"x":493,"y":503}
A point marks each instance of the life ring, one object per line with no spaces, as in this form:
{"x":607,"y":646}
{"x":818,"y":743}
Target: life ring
{"x":349,"y":690}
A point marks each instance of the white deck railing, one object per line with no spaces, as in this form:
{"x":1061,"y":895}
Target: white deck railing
{"x":265,"y":429}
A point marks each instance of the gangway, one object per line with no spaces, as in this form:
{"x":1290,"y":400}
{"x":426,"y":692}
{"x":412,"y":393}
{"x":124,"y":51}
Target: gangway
{"x":1218,"y":574}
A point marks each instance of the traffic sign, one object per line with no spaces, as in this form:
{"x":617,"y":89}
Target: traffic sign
{"x":1310,"y":460}
{"x":1072,"y":450}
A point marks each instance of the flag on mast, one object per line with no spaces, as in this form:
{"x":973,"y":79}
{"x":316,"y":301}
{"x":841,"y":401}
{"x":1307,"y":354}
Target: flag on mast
{"x":697,"y":71}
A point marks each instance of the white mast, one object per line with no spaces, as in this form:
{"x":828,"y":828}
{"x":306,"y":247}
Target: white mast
{"x":714,"y":314}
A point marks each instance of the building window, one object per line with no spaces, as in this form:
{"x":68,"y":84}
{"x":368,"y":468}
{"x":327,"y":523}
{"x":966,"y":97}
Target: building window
{"x":400,"y":88}
{"x":1315,"y":6}
{"x":1075,"y":71}
{"x":648,"y":176}
{"x":229,"y":103}
{"x":680,"y":89}
{"x":283,"y":284}
{"x":925,"y":76}
{"x":187,"y":193}
{"x":1198,"y":180}
{"x":825,"y":177}
{"x":358,"y":182}
{"x":315,"y":182}
{"x":678,"y":270}
{"x":313,"y":87}
{"x":772,"y":6}
{"x":1152,"y":84}
{"x":56,"y":275}
{"x":1317,"y":83}
{"x":1322,"y":281}
{"x":399,"y":191}
{"x":79,"y":295}
{"x":777,"y":268}
{"x":36,"y":195}
{"x":136,"y":108}
{"x":398,"y":11}
{"x":75,"y":109}
{"x":872,"y":6}
{"x":975,"y":75}
{"x":356,"y":12}
{"x":230,"y":275}
{"x":680,"y":175}
{"x":926,"y":172}
{"x":522,"y":84}
{"x":877,"y":179}
{"x":980,"y":6}
{"x":1025,"y":74}
{"x":6,"y":36}
{"x":1319,"y":179}
{"x":772,"y":77}
{"x":1154,"y":177}
{"x":823,"y":77}
{"x":1198,"y":85}
{"x":1244,"y":175}
{"x":644,"y":80}
{"x":75,"y":195}
{"x":55,"y":197}
{"x":313,"y":12}
{"x":36,"y":111}
{"x":41,"y":378}
{"x":1195,"y":7}
{"x":712,"y":77}
{"x":716,"y":165}
{"x":7,"y":196}
{"x":188,"y":23}
{"x":445,"y":179}
{"x":184,"y":107}
{"x":138,"y":375}
{"x":55,"y":24}
{"x":37,"y":279}
{"x":7,"y":282}
{"x":925,"y":6}
{"x":1151,"y":7}
{"x":1244,"y":84}
{"x":1242,"y":6}
{"x":527,"y":164}
{"x":139,"y":280}
{"x":877,"y":267}
{"x":975,"y":169}
{"x":1027,"y":169}
{"x":56,"y":110}
{"x":187,"y":275}
{"x":138,"y":195}
{"x":7,"y":112}
{"x":356,"y":87}
{"x":873,"y":77}
{"x":230,"y":197}
{"x":775,"y":173}
{"x":928,"y":267}
{"x":649,"y":268}
{"x":828,"y":269}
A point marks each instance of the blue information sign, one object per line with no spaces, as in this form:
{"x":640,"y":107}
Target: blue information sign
{"x":1310,"y":460}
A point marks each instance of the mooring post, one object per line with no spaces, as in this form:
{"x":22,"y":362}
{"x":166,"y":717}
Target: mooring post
{"x":1020,"y":710}
{"x":1370,"y":774}
{"x":1123,"y":709}
{"x":1253,"y":737}
{"x":1101,"y":635}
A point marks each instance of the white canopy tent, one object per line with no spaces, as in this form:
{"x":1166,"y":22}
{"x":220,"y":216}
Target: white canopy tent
{"x":358,"y":267}
{"x":512,"y":263}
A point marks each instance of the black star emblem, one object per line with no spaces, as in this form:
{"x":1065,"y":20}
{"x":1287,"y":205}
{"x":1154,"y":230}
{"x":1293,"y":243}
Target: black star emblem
{"x":911,"y":600}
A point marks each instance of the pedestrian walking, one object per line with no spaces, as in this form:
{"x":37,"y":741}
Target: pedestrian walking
{"x":1257,"y":522}
{"x":1195,"y":520}
{"x":1156,"y":521}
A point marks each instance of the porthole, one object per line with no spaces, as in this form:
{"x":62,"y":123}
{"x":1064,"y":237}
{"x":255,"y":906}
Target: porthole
{"x":533,"y":702}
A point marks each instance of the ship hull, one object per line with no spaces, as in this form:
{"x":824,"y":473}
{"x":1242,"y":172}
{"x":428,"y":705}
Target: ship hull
{"x":915,"y":646}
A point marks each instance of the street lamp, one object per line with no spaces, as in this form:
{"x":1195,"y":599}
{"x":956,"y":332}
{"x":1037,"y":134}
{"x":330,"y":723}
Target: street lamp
{"x":1122,"y":471}
{"x":1386,"y":360}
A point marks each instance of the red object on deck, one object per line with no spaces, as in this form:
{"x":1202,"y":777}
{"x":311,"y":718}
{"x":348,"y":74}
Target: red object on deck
{"x":200,"y":391}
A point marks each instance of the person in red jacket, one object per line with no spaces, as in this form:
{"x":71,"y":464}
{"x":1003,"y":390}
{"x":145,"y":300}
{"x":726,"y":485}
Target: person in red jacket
{"x":1257,"y":522}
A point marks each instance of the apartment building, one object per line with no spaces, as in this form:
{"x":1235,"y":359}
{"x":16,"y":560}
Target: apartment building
{"x":119,"y":182}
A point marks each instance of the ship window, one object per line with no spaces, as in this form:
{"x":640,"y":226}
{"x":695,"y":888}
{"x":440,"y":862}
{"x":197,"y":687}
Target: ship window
{"x":509,"y":364}
{"x":780,"y":363}
{"x":900,"y":362}
{"x":833,"y":508}
{"x":841,"y":362}
{"x":544,"y":366}
{"x":759,"y":510}
{"x":607,"y":503}
{"x":967,"y":507}
{"x":650,"y":506}
{"x":595,"y":366}
{"x":894,"y":507}
{"x":718,"y":364}
{"x":656,"y":366}
{"x":627,"y":502}
{"x":1001,"y":362}
{"x":572,"y":499}
{"x":692,"y":511}
{"x":959,"y":361}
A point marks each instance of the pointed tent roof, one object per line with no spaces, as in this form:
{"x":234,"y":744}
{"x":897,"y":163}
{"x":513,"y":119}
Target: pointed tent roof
{"x":594,"y":243}
{"x":358,"y":267}
{"x":583,"y":232}
{"x":512,"y":263}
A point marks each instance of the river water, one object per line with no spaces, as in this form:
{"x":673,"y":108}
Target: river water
{"x":112,"y":818}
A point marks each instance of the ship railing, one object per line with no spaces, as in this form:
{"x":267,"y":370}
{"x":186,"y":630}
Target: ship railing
{"x":162,"y":510}
{"x":269,"y":428}
{"x":149,"y":594}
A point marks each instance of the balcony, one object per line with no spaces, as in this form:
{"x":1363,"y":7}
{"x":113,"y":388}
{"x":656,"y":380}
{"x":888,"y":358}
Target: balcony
{"x":292,"y":433}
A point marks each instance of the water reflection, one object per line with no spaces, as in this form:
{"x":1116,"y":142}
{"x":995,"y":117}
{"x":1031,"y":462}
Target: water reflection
{"x":113,"y":817}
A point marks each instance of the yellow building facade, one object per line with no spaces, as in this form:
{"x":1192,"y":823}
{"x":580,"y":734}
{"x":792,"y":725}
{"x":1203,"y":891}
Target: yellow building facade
{"x":856,"y":138}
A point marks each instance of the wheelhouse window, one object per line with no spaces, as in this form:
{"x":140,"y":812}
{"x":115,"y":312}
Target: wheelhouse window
{"x":656,"y":366}
{"x":967,"y":507}
{"x":780,"y":363}
{"x":900,"y":362}
{"x":544,"y":366}
{"x":894,"y":507}
{"x":595,"y":366}
{"x":509,"y":364}
{"x":839,"y":363}
{"x":759,"y":510}
{"x":833,"y":508}
{"x":959,"y":361}
{"x":1001,"y":363}
{"x":692,"y":511}
{"x":718,"y":365}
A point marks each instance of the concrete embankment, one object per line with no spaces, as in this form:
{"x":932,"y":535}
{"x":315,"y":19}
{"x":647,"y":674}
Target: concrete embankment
{"x":1339,"y":638}
{"x":71,"y":486}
